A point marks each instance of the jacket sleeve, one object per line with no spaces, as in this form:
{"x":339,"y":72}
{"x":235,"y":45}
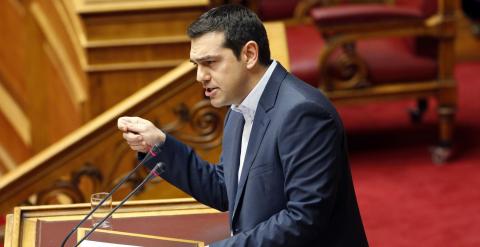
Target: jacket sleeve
{"x":196,"y":177}
{"x":309,"y":145}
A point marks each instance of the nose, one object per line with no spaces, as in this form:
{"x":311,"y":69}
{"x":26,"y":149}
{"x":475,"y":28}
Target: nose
{"x":203,"y":75}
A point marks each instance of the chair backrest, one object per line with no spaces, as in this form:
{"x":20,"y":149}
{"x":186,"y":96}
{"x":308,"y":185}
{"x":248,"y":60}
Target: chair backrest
{"x":283,"y":9}
{"x":276,"y":9}
{"x":426,"y":7}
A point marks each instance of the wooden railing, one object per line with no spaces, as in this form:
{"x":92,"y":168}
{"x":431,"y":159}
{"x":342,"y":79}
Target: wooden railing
{"x":94,"y":157}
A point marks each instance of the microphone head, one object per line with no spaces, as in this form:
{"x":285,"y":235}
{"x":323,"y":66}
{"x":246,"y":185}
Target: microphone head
{"x":150,"y":158}
{"x":157,"y":148}
{"x":158,"y":169}
{"x":154,"y":151}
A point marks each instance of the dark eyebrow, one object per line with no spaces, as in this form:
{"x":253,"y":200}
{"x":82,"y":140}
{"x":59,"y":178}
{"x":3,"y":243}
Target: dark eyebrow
{"x":201,"y":59}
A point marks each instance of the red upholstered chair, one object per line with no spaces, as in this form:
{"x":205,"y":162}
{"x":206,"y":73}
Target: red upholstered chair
{"x":291,"y":11}
{"x":358,"y":52}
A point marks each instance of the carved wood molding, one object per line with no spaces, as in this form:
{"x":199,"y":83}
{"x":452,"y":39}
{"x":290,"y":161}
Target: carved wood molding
{"x":342,"y":68}
{"x":200,"y":125}
{"x":69,"y":190}
{"x":205,"y":121}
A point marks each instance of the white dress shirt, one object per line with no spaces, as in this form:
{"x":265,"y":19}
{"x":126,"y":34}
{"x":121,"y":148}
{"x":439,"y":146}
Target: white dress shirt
{"x":247,"y":108}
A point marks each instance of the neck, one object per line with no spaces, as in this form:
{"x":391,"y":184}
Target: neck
{"x":256,"y":74}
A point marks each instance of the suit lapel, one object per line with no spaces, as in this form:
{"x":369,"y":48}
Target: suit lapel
{"x":259,"y":128}
{"x":236,"y":140}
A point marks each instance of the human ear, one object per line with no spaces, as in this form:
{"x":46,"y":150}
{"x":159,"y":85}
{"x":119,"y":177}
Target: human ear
{"x":250,"y":54}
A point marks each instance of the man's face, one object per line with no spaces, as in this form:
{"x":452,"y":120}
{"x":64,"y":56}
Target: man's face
{"x":223,"y":76}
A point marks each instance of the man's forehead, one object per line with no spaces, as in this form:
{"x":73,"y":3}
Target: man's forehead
{"x":208,"y":45}
{"x":216,"y":35}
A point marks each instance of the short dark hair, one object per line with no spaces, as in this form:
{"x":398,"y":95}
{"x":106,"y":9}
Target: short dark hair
{"x":238,"y":24}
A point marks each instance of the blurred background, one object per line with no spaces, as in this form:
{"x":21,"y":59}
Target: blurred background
{"x":404,"y":75}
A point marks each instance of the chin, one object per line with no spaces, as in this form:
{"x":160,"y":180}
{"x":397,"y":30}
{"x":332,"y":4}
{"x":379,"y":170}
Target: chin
{"x":216,"y":103}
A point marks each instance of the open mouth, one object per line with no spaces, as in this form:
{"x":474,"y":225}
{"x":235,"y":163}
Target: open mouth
{"x":210,"y":91}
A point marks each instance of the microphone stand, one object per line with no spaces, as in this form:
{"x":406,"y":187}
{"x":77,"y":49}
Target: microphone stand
{"x":157,"y":170}
{"x":150,"y":154}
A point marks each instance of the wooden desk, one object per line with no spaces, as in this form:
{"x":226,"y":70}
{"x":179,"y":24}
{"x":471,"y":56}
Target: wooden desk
{"x":46,"y":226}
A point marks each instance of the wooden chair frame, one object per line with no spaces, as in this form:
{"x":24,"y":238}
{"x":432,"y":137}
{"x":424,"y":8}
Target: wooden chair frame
{"x":440,"y":26}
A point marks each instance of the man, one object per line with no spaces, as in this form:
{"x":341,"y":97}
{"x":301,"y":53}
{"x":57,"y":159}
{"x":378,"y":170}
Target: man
{"x":284,"y":175}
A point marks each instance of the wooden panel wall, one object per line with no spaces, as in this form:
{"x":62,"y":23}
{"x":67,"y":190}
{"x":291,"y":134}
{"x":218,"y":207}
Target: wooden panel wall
{"x":15,"y":137}
{"x":56,"y":82}
{"x":12,"y":50}
{"x":125,"y":50}
{"x":84,"y":57}
{"x":65,"y":62}
{"x":109,"y":87}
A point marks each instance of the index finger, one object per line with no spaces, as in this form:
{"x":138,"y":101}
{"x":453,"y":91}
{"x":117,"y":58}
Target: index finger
{"x":123,"y":122}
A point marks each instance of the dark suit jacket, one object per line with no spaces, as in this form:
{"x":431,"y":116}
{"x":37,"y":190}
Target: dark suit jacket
{"x":295,"y":188}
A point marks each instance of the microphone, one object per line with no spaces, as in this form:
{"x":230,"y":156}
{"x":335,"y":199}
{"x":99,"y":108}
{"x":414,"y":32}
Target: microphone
{"x":147,"y":160}
{"x":156,"y":171}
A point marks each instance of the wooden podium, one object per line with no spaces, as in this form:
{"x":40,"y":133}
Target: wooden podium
{"x":46,"y":226}
{"x":134,"y":239}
